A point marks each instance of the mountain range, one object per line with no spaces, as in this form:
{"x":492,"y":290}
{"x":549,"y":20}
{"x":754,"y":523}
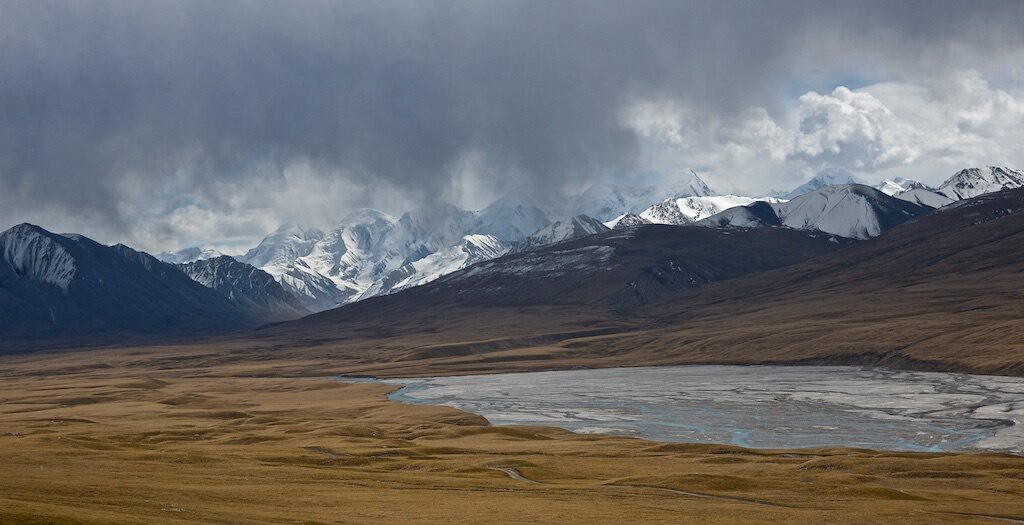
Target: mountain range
{"x":941,"y":291}
{"x":370,"y":253}
{"x":54,"y":286}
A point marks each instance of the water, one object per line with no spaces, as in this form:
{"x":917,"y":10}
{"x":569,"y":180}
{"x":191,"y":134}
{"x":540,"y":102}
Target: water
{"x":751,"y":406}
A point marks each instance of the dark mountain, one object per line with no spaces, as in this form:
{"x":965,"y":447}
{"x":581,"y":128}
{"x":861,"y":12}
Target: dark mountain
{"x":629,"y":220}
{"x":608,"y":275}
{"x":67,"y":286}
{"x":942,"y":291}
{"x":249,"y":288}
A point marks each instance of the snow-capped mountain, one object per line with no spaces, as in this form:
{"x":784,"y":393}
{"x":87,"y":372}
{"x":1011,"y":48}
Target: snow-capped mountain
{"x":850,"y":210}
{"x":972,"y":182}
{"x":914,"y":191}
{"x":250,"y":288}
{"x":626,"y":220}
{"x":33,"y":254}
{"x":371,"y":253}
{"x":473,"y":249}
{"x":55,"y":286}
{"x":558,"y":231}
{"x":509,"y":221}
{"x":754,"y":215}
{"x":281,"y":248}
{"x":607,"y":201}
{"x":692,"y":209}
{"x":894,"y":186}
{"x":188,"y":255}
{"x":924,"y":196}
{"x":965,"y":184}
{"x":827,"y":177}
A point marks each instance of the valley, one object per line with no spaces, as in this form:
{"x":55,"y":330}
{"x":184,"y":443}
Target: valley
{"x":252,"y":425}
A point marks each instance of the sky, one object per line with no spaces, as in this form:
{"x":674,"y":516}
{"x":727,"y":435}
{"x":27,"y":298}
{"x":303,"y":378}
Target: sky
{"x":165,"y":125}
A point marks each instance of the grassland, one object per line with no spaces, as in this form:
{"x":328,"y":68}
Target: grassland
{"x":147,"y":436}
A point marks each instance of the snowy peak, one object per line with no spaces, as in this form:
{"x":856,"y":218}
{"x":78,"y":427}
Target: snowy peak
{"x":473,"y":249}
{"x":755,"y":215}
{"x":578,"y":226}
{"x":824,"y":178}
{"x":509,"y":221}
{"x":913,"y":191}
{"x":923,"y":196}
{"x":188,"y":255}
{"x":688,"y":184}
{"x":38,"y":255}
{"x":282,"y":247}
{"x":372,"y":253}
{"x":897,"y":185}
{"x":692,"y":209}
{"x":607,"y":202}
{"x":850,"y":210}
{"x":436,"y":227}
{"x":972,"y":182}
{"x":626,"y":220}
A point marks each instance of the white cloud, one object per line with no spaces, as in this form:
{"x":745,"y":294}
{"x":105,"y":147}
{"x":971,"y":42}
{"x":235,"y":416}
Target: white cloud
{"x":920,"y":130}
{"x":853,"y":130}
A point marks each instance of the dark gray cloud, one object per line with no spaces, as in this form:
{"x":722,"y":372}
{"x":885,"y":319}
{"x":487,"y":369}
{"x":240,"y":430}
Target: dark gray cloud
{"x":109,"y":108}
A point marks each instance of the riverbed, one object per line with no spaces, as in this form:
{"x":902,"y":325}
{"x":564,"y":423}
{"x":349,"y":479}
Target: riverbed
{"x":750,"y":406}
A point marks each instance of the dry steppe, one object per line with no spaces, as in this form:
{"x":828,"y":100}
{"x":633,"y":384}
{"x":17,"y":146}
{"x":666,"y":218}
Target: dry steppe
{"x":143,"y":435}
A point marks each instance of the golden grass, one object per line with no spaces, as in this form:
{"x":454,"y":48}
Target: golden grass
{"x":137,"y":442}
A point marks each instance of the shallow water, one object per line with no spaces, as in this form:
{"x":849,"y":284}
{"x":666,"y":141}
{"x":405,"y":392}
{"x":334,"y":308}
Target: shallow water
{"x":751,"y":406}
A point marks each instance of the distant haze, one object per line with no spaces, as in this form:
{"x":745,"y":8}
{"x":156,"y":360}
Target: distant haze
{"x":171,"y":124}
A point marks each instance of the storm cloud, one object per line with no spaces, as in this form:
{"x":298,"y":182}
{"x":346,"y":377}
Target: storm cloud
{"x":159,"y":123}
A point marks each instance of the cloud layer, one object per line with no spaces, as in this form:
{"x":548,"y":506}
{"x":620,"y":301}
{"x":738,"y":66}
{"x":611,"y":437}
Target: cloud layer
{"x":167,"y":124}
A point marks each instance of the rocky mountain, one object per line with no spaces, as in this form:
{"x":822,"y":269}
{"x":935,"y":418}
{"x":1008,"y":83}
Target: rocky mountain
{"x":559,"y":231}
{"x":372,"y":253}
{"x":249,"y":288}
{"x":626,"y":220}
{"x":852,"y":210}
{"x":966,"y":183}
{"x":827,"y":177}
{"x":972,"y":182}
{"x":473,"y":249}
{"x":914,"y":191}
{"x":59,"y":286}
{"x":692,"y":209}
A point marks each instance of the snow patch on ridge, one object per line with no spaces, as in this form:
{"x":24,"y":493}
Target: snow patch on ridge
{"x":32,"y":254}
